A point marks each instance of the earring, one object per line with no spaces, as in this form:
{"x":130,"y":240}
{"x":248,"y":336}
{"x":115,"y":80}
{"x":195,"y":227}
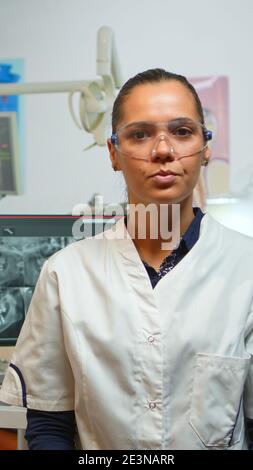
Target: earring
{"x":205,"y":162}
{"x":114,"y":167}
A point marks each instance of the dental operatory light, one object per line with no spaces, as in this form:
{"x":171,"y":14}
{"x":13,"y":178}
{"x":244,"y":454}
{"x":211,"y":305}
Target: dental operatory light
{"x":96,"y":96}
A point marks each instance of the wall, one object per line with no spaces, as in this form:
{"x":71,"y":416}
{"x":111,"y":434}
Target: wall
{"x":57,"y":39}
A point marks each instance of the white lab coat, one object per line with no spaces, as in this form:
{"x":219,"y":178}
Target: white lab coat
{"x":163,"y":368}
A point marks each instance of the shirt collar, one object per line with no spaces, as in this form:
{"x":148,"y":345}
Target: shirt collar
{"x":191,"y":235}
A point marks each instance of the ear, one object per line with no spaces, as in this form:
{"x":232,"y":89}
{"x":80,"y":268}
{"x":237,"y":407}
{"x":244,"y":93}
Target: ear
{"x":206,"y":155}
{"x":113,"y":155}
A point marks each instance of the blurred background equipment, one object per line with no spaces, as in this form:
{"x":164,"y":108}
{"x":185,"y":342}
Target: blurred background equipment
{"x":96,"y":96}
{"x":10,"y":169}
{"x":10,"y":176}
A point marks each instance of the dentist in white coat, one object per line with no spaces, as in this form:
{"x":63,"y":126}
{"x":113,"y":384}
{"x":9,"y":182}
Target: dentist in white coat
{"x":127,"y":345}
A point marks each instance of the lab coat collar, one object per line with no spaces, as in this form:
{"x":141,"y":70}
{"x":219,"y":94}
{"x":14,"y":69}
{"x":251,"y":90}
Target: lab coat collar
{"x":195,"y":261}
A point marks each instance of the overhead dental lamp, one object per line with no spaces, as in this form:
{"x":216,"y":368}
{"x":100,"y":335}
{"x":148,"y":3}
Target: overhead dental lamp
{"x":96,"y":96}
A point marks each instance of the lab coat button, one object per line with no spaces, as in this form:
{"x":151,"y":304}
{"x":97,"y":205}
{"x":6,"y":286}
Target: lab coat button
{"x":152,"y":405}
{"x":151,"y":339}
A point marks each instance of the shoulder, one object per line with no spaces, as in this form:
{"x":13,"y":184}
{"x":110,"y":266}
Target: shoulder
{"x":89,"y":251}
{"x":229,"y":233}
{"x":80,"y":251}
{"x":230,"y":241}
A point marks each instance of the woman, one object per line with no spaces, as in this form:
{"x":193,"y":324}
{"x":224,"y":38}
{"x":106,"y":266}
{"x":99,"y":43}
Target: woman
{"x":142,"y":344}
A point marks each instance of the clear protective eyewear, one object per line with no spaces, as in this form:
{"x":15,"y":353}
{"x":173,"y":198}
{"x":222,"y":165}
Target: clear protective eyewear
{"x":185,"y":137}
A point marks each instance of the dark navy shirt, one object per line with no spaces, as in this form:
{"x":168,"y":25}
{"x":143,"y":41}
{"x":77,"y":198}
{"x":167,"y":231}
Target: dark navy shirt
{"x":56,"y":429}
{"x":187,"y":242}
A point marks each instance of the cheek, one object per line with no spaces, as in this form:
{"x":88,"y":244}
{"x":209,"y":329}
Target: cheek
{"x":191,"y":173}
{"x":191,"y":166}
{"x":133,"y":172}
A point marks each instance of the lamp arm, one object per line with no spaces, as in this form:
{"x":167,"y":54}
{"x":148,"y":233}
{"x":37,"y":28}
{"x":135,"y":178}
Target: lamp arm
{"x":96,"y":96}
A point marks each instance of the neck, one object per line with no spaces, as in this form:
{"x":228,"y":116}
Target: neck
{"x":147,"y":230}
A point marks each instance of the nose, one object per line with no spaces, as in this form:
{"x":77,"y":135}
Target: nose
{"x":163,"y":149}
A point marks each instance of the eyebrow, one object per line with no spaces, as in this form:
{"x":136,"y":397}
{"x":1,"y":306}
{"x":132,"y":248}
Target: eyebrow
{"x":178,"y":119}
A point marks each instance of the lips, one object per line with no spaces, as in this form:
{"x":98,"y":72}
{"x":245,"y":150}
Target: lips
{"x":164,"y":178}
{"x":165,"y":173}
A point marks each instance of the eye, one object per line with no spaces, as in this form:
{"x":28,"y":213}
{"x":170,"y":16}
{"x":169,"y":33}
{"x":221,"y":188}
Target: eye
{"x":183,"y":132}
{"x":139,"y":135}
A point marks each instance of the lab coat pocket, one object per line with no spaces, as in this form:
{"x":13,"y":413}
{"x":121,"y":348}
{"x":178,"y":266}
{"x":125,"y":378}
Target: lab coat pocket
{"x":216,"y":403}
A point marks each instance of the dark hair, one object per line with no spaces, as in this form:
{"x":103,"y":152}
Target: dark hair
{"x":151,"y":76}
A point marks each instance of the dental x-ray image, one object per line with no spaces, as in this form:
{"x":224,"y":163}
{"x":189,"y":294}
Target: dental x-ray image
{"x":12,"y":312}
{"x":27,"y":293}
{"x":35,"y":251}
{"x":21,"y":259}
{"x":11,"y":262}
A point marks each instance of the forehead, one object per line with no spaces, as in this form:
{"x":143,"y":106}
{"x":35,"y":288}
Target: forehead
{"x":158,"y":102}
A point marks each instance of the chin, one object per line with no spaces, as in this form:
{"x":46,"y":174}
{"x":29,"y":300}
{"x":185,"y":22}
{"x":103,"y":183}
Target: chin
{"x":166,"y":197}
